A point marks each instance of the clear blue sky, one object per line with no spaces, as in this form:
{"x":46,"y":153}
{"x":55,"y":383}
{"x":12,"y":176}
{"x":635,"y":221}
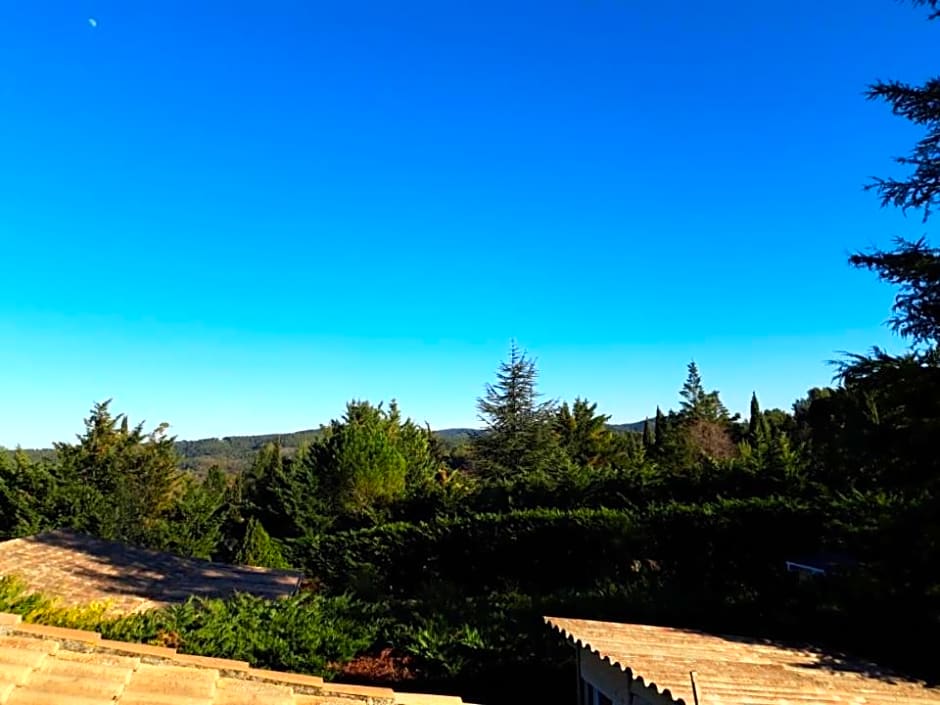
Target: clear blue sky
{"x":235,"y":216}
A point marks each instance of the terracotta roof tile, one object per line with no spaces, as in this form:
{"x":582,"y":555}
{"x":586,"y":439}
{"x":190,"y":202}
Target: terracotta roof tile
{"x":80,"y":570}
{"x":730,"y":670}
{"x":425,"y":699}
{"x":292,"y":678}
{"x":70,"y":667}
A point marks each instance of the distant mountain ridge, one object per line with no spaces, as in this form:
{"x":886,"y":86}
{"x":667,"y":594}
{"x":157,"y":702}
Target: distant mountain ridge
{"x":233,"y":453}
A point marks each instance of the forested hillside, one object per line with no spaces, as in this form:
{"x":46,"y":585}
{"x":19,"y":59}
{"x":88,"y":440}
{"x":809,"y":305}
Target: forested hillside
{"x":234,"y":454}
{"x":433,"y":561}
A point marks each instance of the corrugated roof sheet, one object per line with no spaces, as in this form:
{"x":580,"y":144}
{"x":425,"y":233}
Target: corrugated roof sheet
{"x":81,"y":569}
{"x":42,"y":665}
{"x":732,"y":670}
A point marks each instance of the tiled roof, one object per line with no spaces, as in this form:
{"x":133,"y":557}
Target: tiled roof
{"x":731,"y":670}
{"x":80,"y":569}
{"x":52,"y":666}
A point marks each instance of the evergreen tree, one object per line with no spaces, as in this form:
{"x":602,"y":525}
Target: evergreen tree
{"x":194,"y":525}
{"x":278,"y":495}
{"x":584,"y":435}
{"x":912,"y":266}
{"x":697,"y":404}
{"x":897,"y":397}
{"x":659,"y":429}
{"x":27,"y":489}
{"x":648,"y":440}
{"x":124,"y":480}
{"x":692,"y":392}
{"x":370,"y":459}
{"x":258,"y":549}
{"x":518,"y":438}
{"x":704,"y":425}
{"x":757,"y":429}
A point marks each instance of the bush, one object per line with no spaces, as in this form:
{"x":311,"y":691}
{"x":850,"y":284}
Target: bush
{"x":537,"y":549}
{"x":305,"y":634}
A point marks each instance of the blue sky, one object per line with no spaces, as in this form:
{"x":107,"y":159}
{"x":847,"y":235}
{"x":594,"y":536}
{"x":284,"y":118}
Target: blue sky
{"x":236,"y":216}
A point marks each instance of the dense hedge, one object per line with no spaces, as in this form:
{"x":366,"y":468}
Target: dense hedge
{"x":538,"y":549}
{"x":738,"y":532}
{"x":549,"y":549}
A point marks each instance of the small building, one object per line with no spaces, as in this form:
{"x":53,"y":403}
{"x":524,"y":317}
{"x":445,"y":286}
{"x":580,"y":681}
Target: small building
{"x":635,"y":664}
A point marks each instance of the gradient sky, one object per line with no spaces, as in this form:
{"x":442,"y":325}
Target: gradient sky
{"x":236,"y":216}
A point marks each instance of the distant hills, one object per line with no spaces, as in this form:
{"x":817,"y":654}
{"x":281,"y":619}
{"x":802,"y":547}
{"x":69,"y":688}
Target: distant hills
{"x":234,"y":453}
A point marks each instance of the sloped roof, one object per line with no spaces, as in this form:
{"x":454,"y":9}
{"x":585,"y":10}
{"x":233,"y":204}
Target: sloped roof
{"x":42,"y":665}
{"x":730,"y":670}
{"x":81,"y":569}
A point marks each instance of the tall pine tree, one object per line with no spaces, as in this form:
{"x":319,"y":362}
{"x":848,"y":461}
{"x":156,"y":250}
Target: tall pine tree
{"x":697,"y":404}
{"x":704,"y":423}
{"x":518,"y":438}
{"x":903,"y":391}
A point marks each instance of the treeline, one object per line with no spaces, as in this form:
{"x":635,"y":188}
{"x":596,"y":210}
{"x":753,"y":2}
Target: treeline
{"x":453,"y":552}
{"x":446,"y":556}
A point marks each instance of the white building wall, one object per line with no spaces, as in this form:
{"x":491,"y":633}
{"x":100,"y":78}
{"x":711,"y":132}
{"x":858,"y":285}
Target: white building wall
{"x":611,"y":685}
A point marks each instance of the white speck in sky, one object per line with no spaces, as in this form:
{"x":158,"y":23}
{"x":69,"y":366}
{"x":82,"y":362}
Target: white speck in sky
{"x":93,"y":22}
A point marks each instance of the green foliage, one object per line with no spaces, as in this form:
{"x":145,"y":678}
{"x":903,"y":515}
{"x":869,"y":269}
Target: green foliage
{"x":586,"y":438}
{"x":123,"y":480}
{"x":194,"y":526}
{"x":697,"y":404}
{"x":660,"y":429}
{"x":304,"y":634}
{"x":370,"y":459}
{"x":519,"y":437}
{"x":889,"y":404}
{"x":534,"y":549}
{"x":259,"y":549}
{"x":444,"y":648}
{"x":283,"y":494}
{"x":28,"y":492}
{"x":234,"y":454}
{"x":17,"y":598}
{"x":648,"y":440}
{"x":758,"y":430}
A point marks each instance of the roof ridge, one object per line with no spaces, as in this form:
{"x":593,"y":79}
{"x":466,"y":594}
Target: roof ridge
{"x":67,"y":533}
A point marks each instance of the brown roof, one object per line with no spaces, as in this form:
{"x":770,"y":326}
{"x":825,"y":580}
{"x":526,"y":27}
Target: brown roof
{"x":80,"y":569}
{"x":42,"y":665}
{"x":732,"y":670}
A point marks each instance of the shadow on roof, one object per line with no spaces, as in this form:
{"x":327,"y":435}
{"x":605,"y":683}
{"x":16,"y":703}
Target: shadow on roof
{"x":80,"y":569}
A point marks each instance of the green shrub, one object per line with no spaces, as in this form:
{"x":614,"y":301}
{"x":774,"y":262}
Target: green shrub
{"x":537,"y":549}
{"x":305,"y":633}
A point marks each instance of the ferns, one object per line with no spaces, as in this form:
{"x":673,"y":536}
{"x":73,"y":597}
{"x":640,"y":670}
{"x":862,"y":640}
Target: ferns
{"x":305,"y":633}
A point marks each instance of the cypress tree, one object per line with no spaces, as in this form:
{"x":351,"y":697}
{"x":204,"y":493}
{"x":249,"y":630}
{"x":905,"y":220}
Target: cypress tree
{"x":648,"y":439}
{"x":258,"y":549}
{"x":757,"y":428}
{"x":660,"y":429}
